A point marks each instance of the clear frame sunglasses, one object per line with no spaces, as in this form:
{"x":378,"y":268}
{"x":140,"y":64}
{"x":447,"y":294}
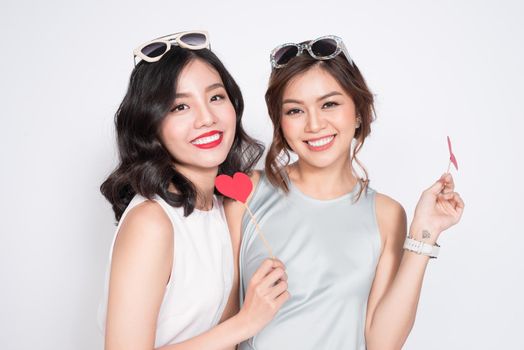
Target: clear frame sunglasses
{"x":323,"y":48}
{"x":152,"y":51}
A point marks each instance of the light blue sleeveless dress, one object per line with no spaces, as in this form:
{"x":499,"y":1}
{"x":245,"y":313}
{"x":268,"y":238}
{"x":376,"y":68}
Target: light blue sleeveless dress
{"x":330,"y":249}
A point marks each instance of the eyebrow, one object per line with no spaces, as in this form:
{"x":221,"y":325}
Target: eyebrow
{"x":333,"y":93}
{"x":209,"y":88}
{"x":214,"y":86}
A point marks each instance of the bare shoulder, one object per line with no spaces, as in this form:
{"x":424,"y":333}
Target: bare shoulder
{"x":147,"y":217}
{"x":145,"y":229}
{"x":387,"y":206}
{"x":391,"y":217}
{"x":140,"y":270}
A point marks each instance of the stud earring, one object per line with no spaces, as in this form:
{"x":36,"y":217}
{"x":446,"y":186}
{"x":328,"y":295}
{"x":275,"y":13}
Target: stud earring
{"x":359,"y":121}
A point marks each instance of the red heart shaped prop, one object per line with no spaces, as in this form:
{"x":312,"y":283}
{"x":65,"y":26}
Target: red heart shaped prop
{"x":452,"y":156}
{"x":237,"y":187}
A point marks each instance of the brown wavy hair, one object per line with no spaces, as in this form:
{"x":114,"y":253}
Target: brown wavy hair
{"x":350,"y":79}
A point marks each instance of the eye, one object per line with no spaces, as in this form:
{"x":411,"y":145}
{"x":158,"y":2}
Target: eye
{"x":293,"y":111}
{"x":329,"y":104}
{"x":217,"y":98}
{"x":179,"y":107}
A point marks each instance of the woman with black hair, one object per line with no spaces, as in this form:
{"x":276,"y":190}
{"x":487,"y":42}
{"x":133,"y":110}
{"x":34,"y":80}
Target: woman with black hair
{"x":171,"y":262}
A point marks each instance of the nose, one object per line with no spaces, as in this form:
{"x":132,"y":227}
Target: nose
{"x":205,"y":117}
{"x":315,"y":122}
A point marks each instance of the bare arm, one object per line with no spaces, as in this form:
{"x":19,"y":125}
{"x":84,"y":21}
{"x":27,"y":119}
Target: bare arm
{"x":141,"y":264}
{"x":395,"y":293}
{"x":140,"y":268}
{"x":264,"y":298}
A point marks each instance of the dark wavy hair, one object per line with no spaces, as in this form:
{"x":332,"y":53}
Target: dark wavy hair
{"x":350,"y":79}
{"x":146,"y":167}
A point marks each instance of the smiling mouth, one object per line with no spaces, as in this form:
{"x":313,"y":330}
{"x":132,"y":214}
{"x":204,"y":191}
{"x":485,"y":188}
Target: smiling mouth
{"x":320,"y":142}
{"x":208,"y":140}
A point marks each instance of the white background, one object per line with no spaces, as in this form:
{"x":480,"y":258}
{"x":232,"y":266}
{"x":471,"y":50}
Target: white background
{"x":437,"y":68}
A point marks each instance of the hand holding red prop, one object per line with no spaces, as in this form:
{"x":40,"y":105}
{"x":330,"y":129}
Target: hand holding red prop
{"x":452,"y":158}
{"x":239,"y":188}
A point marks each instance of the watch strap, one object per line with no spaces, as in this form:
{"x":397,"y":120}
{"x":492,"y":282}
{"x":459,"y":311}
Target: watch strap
{"x":421,"y":248}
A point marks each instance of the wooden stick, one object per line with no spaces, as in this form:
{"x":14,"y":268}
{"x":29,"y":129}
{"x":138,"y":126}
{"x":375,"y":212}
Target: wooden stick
{"x":260,"y":234}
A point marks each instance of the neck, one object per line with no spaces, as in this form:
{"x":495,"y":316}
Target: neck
{"x":204,"y":181}
{"x":323,"y":182}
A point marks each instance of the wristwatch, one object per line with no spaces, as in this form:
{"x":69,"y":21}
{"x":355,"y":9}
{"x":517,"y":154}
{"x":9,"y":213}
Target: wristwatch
{"x":421,"y":248}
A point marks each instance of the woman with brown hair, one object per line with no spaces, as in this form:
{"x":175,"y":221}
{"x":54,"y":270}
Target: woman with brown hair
{"x":352,"y":284}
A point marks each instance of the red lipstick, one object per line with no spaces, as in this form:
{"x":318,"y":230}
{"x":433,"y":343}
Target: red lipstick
{"x":208,"y":140}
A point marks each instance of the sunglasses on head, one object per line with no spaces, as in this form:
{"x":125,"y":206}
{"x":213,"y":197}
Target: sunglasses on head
{"x":323,"y":48}
{"x":152,"y":51}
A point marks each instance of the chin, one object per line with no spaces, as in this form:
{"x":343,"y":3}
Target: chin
{"x":201,"y":160}
{"x":209,"y":162}
{"x":322,"y":160}
{"x":319,"y":164}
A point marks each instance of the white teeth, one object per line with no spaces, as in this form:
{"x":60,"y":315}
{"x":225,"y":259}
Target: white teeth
{"x":204,"y":140}
{"x":321,"y":142}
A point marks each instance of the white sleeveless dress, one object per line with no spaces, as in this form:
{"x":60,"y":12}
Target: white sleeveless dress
{"x":201,"y":275}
